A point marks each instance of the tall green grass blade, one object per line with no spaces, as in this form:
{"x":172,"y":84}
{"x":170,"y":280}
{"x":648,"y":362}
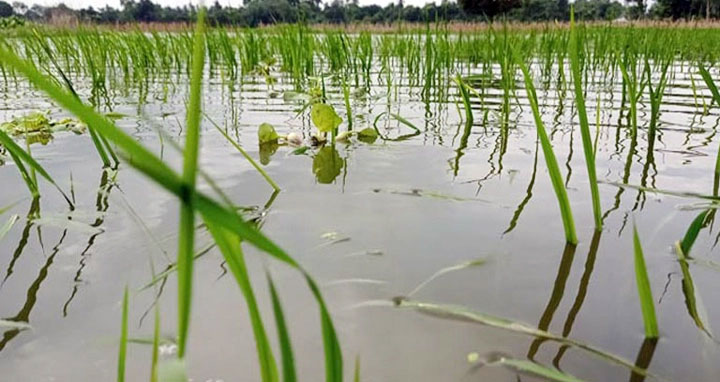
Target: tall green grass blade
{"x":644,"y":291}
{"x":155,"y":346}
{"x":356,"y":375}
{"x":288,"y":359}
{"x":588,"y":147}
{"x":348,"y":109}
{"x":190,"y":163}
{"x":465,"y":95}
{"x":122,"y":352}
{"x":229,"y":245}
{"x":550,"y":159}
{"x":716,"y":97}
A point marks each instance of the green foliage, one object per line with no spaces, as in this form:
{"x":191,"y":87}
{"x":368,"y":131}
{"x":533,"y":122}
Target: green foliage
{"x":324,"y":117}
{"x":267,"y":133}
{"x":647,"y":304}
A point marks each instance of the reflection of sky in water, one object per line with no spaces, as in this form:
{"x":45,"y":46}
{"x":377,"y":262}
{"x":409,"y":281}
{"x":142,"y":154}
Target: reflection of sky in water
{"x":417,"y":202}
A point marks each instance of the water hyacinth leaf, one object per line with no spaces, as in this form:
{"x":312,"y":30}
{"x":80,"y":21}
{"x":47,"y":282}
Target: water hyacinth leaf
{"x":459,"y":313}
{"x":324,"y":117}
{"x":327,"y":165}
{"x":367,"y":135}
{"x":644,"y":291}
{"x":267,"y":133}
{"x":266,"y":151}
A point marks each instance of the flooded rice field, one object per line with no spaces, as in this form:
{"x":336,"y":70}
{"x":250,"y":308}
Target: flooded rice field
{"x":435,"y":239}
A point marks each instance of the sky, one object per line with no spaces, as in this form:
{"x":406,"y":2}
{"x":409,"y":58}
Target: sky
{"x":116,"y":3}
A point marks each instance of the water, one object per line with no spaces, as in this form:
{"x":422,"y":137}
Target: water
{"x":397,"y":212}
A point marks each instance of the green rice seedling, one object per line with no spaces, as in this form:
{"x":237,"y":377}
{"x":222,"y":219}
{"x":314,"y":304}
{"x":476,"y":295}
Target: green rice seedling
{"x":23,"y":158}
{"x":122,"y":352}
{"x":229,"y":246}
{"x":187,"y":211}
{"x":644,"y":291}
{"x":588,"y":146}
{"x":465,"y":96}
{"x":547,"y":373}
{"x":710,"y":83}
{"x":288,"y":359}
{"x":348,"y":109}
{"x":155,"y":346}
{"x":550,"y":160}
{"x":224,"y":217}
{"x":462,"y":314}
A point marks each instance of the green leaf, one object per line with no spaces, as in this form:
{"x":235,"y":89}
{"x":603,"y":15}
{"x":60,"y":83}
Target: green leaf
{"x":367,"y":135}
{"x":267,"y":133}
{"x":644,"y":291}
{"x":288,"y":359}
{"x":692,"y":232}
{"x":327,"y":165}
{"x":229,"y":245}
{"x":324,"y":117}
{"x":123,"y":338}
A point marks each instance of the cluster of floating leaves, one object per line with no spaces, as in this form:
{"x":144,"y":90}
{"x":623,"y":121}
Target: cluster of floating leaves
{"x":38,"y":127}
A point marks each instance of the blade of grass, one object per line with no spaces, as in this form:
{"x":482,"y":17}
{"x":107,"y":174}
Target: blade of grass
{"x":588,"y":148}
{"x":155,"y":346}
{"x":552,"y":165}
{"x":187,"y":211}
{"x":288,"y":359}
{"x":22,"y":157}
{"x":229,"y":245}
{"x":463,"y":314}
{"x":644,"y":292}
{"x":122,"y":352}
{"x":692,"y":232}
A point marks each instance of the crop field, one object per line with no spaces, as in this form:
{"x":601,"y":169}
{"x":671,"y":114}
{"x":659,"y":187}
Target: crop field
{"x":500,"y":203}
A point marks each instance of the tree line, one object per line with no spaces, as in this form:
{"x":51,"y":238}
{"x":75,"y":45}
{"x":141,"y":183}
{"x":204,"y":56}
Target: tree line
{"x":263,"y":12}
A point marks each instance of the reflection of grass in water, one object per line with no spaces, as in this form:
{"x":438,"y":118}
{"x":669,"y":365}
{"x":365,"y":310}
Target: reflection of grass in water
{"x":228,"y":228}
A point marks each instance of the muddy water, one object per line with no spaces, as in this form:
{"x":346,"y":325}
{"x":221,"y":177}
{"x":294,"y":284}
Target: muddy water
{"x":374,"y":227}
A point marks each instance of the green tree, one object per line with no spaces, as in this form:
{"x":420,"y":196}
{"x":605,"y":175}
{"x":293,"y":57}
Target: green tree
{"x":6,"y":10}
